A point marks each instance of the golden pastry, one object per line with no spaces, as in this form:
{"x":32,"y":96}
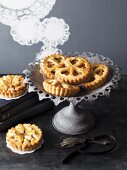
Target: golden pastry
{"x":24,"y":138}
{"x":12,"y":86}
{"x":49,"y":65}
{"x":57,"y":88}
{"x":98,"y":77}
{"x":73,"y":70}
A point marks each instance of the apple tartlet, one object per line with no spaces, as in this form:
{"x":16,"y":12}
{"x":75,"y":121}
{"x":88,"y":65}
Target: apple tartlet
{"x":58,"y":88}
{"x":98,"y":77}
{"x":49,"y":65}
{"x":73,"y":70}
{"x":24,"y":138}
{"x":12,"y":86}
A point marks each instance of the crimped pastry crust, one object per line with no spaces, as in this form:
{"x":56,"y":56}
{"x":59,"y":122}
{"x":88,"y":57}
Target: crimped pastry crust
{"x":49,"y":65}
{"x":99,"y":76}
{"x":12,"y":86}
{"x":24,"y":137}
{"x":3,"y":94}
{"x":73,"y":70}
{"x":57,"y":88}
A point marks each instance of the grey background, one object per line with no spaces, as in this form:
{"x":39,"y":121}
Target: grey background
{"x":98,"y":26}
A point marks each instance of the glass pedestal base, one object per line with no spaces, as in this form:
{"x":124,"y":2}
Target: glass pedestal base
{"x":73,"y":121}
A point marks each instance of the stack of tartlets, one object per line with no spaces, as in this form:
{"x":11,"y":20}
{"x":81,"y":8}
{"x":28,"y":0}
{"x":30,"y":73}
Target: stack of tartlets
{"x":24,"y":138}
{"x":65,"y":75}
{"x":12,"y":86}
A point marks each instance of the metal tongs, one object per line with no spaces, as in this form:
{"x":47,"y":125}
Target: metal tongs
{"x":96,"y":145}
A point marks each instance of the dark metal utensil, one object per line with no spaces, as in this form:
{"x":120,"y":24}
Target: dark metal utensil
{"x":72,"y":141}
{"x":107,"y":142}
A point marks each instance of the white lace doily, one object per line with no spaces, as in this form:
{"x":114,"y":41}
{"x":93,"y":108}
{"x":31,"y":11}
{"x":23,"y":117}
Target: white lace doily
{"x":12,"y":10}
{"x":27,"y":31}
{"x":34,"y":79}
{"x":55,"y":31}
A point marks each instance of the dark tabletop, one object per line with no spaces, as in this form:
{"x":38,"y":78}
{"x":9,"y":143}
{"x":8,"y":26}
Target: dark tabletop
{"x":111,"y":118}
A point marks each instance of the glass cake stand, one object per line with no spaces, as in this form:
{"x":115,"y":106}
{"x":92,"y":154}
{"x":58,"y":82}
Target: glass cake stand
{"x":72,"y":120}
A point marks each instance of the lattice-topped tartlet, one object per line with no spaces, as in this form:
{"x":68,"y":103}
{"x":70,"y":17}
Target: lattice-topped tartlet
{"x":98,"y":77}
{"x":12,"y":86}
{"x":58,"y":88}
{"x":49,"y":65}
{"x":24,"y":138}
{"x":73,"y":70}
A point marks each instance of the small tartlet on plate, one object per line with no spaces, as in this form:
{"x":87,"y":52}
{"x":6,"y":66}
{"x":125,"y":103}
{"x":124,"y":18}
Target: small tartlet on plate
{"x":12,"y":86}
{"x":24,"y":138}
